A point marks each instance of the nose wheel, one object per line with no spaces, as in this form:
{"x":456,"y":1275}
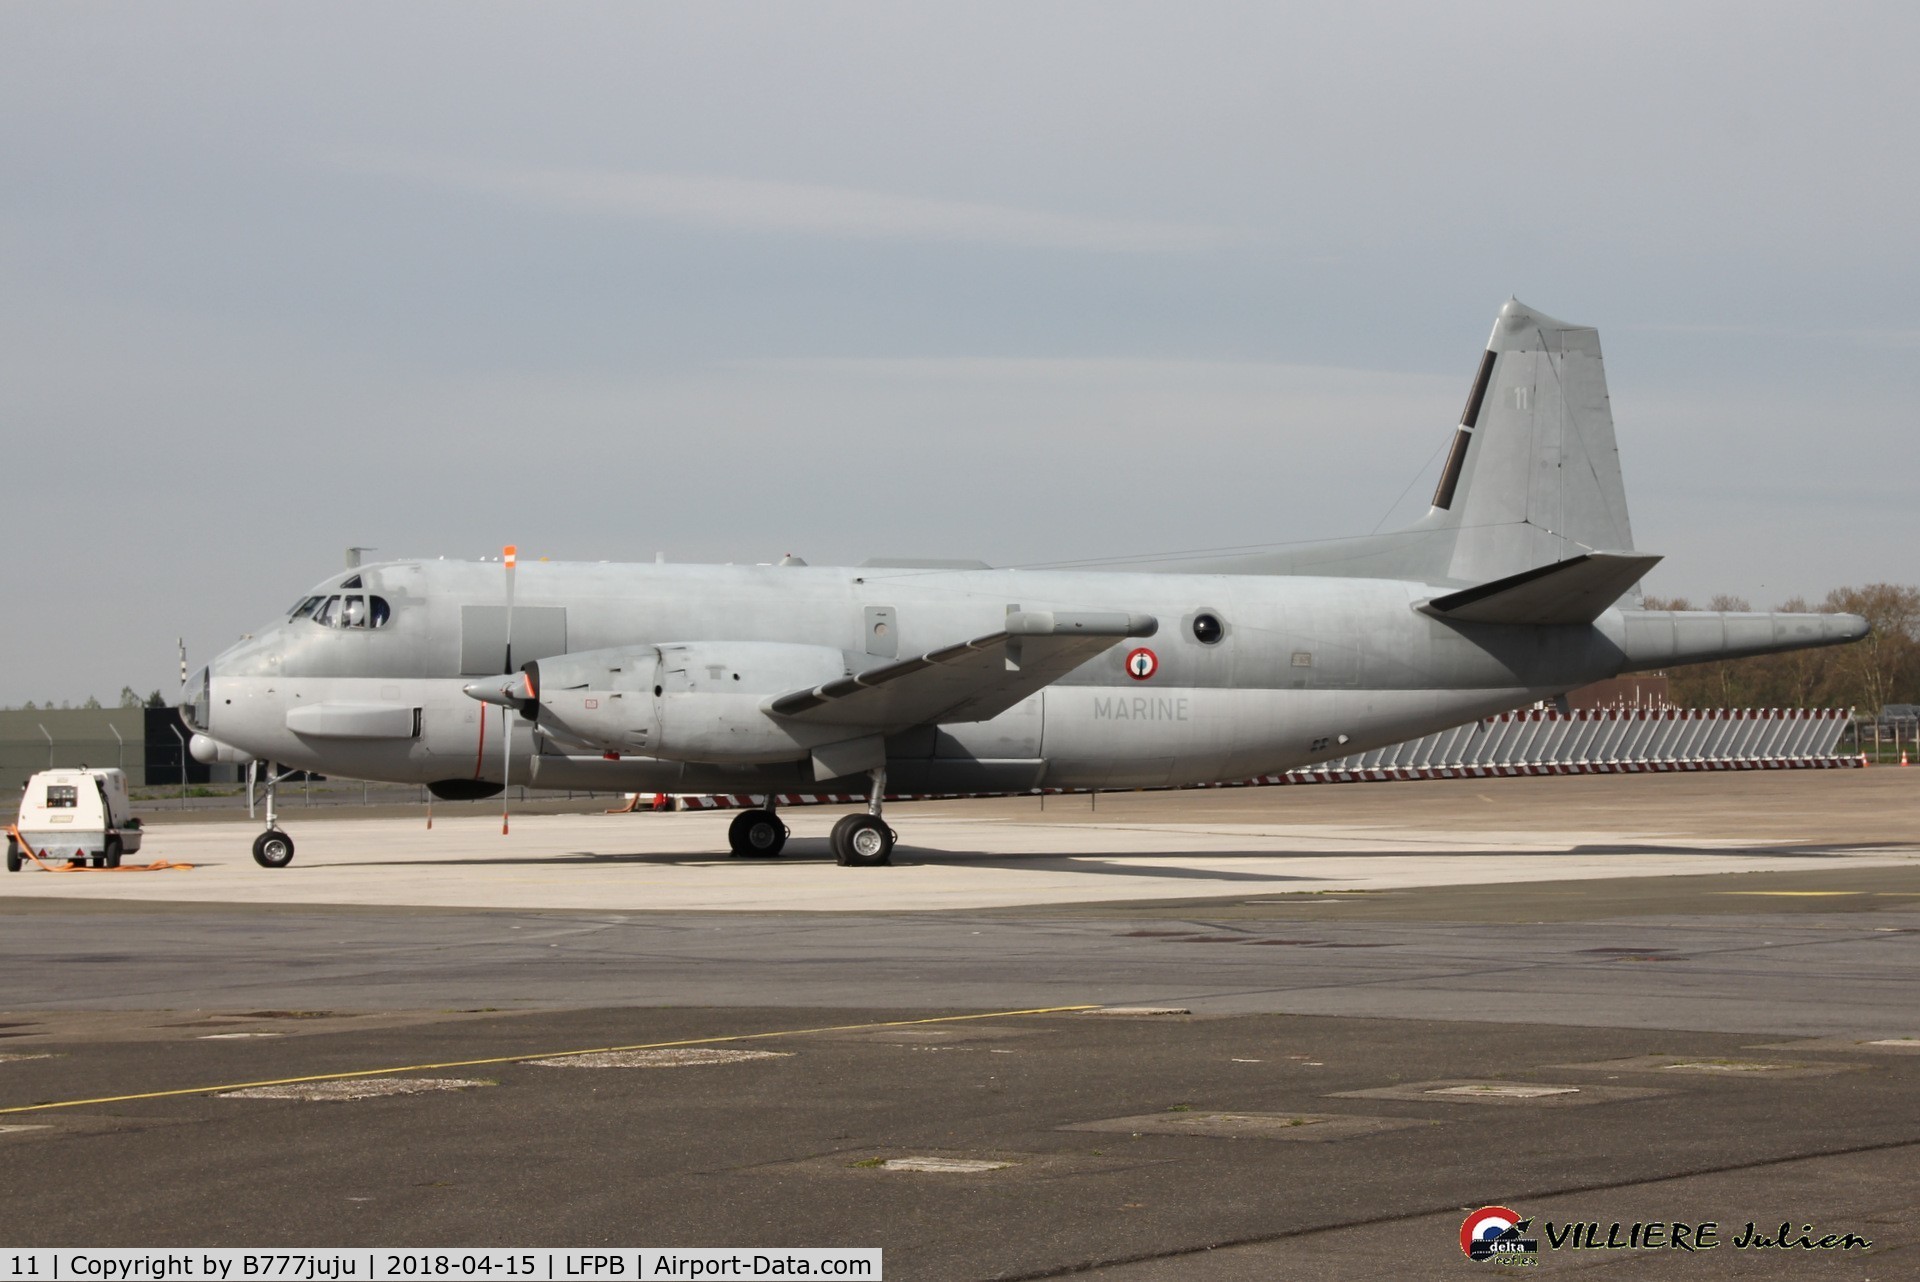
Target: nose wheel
{"x":272,"y":848}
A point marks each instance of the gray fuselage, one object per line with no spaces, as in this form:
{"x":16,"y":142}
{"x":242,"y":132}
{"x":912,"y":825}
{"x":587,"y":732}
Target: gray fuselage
{"x":1305,"y":668}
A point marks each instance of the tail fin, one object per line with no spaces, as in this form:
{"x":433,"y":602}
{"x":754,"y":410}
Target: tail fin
{"x":1533,"y":477}
{"x":1534,"y":473}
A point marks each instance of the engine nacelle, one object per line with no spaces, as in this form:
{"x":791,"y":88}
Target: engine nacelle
{"x":682,"y":701}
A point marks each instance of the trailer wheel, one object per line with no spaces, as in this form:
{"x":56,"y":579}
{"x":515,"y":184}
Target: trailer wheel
{"x":13,"y":855}
{"x":273,"y":849}
{"x":110,"y":858}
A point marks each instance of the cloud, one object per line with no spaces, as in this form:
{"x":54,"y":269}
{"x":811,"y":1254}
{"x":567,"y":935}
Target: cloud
{"x":759,"y":206}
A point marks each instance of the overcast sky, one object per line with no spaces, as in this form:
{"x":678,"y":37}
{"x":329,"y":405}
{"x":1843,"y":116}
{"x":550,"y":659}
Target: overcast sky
{"x":1019,"y":281}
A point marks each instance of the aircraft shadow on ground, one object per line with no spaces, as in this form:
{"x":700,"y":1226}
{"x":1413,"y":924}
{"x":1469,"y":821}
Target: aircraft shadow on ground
{"x":815,"y":851}
{"x":811,"y":852}
{"x":1833,"y":850}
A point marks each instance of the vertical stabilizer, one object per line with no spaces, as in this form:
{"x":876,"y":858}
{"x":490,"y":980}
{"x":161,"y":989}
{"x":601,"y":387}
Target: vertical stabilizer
{"x":1532,"y":478}
{"x":1534,"y":473}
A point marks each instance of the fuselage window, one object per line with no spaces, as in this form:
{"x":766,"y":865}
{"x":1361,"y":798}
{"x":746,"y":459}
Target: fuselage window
{"x":324,"y":615}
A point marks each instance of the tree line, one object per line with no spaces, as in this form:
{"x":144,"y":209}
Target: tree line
{"x":1865,"y":676}
{"x":129,"y":698}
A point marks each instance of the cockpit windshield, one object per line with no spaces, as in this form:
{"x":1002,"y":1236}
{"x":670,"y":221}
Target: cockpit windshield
{"x":353,"y":610}
{"x":199,"y":700}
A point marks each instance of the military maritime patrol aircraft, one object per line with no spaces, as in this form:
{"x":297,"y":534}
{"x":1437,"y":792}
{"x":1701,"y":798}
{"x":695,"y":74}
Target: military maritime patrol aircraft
{"x":1520,"y":583}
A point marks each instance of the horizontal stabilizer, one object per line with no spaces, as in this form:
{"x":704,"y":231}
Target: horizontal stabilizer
{"x":1577,"y":590}
{"x":972,"y":681}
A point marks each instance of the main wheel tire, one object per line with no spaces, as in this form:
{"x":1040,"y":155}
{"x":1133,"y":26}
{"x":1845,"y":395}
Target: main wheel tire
{"x":14,"y":857}
{"x":756,"y":834}
{"x":273,"y":849}
{"x":863,"y":841}
{"x":837,"y":839}
{"x":111,"y":857}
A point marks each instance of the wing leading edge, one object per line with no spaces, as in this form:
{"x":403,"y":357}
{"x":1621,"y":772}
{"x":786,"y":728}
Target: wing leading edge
{"x":972,"y":681}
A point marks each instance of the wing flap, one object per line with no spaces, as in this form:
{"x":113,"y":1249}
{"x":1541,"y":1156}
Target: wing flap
{"x":969,"y":681}
{"x":1576,"y":590}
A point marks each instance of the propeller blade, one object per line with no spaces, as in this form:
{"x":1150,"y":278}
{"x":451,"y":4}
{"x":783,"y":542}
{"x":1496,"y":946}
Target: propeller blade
{"x":509,"y":556}
{"x":506,"y":763}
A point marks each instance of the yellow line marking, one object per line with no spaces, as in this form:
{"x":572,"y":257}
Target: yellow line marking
{"x":530,"y":1055}
{"x":1794,"y":894}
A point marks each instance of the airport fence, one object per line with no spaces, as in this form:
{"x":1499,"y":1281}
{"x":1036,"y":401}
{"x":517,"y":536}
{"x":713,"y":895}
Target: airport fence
{"x":1584,"y":741}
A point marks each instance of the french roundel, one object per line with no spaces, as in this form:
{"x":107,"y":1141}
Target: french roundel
{"x":1485,"y":1223}
{"x":1142,"y":663}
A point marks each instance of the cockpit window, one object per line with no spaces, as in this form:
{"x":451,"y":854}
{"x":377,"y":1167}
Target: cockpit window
{"x":305,"y":608}
{"x":351,"y":581}
{"x":196,"y":709}
{"x":353,"y":611}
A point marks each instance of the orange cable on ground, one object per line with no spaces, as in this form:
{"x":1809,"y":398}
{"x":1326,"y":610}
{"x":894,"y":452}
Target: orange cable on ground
{"x":158,"y":865}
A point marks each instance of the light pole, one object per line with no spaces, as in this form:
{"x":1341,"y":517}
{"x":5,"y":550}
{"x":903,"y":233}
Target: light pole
{"x":121,"y":759}
{"x":49,"y":739}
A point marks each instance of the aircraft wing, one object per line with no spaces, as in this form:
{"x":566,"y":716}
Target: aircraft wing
{"x":1576,"y":590}
{"x":972,"y":681}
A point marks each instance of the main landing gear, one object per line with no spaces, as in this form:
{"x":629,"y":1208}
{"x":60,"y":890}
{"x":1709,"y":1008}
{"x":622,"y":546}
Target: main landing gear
{"x":865,"y":841}
{"x":272,"y":848}
{"x":757,"y":834}
{"x":858,"y":841}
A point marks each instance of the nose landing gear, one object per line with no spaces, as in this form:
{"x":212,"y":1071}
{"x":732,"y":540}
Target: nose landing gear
{"x":272,"y":848}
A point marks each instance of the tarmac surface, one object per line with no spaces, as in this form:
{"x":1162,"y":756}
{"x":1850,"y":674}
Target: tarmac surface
{"x":1684,"y":999}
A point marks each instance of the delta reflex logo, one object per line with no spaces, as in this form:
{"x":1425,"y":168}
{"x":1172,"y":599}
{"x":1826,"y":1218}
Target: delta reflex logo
{"x":1495,"y":1232}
